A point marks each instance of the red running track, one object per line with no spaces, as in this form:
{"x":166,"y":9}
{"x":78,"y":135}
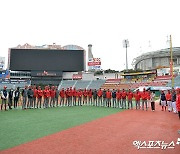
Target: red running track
{"x":112,"y":134}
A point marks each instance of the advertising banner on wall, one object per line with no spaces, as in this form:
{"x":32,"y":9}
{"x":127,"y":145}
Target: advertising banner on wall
{"x":94,"y":63}
{"x":77,"y":76}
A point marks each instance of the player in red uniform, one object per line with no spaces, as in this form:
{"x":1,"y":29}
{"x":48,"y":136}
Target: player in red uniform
{"x":118,"y":97}
{"x":130,"y":96}
{"x":52,"y":94}
{"x":123,"y":94}
{"x":62,"y":95}
{"x":168,"y":99}
{"x":85,"y":93}
{"x":80,"y":93}
{"x":137,"y":97}
{"x":99,"y":94}
{"x":39,"y":97}
{"x":144,"y":98}
{"x":46,"y":94}
{"x":108,"y":97}
{"x":67,"y":97}
{"x":178,"y":101}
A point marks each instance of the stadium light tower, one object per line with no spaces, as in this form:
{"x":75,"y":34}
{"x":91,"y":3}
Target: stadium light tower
{"x":171,"y":63}
{"x":126,"y":45}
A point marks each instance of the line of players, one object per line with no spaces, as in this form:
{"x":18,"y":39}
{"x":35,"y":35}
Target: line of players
{"x":33,"y":97}
{"x":38,"y":98}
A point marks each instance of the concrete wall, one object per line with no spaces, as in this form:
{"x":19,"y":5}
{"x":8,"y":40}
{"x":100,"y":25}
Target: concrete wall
{"x":88,"y":76}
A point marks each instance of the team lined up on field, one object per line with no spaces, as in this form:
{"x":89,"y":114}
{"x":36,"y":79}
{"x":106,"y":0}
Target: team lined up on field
{"x":49,"y":97}
{"x":73,"y":97}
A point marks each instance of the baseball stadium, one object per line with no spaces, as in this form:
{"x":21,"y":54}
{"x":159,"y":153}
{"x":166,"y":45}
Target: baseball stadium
{"x":157,"y":59}
{"x":52,"y":102}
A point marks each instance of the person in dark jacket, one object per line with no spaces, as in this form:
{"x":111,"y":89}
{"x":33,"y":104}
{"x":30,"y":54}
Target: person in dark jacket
{"x":95,"y":97}
{"x":24,"y":95}
{"x":163,"y":100}
{"x":30,"y":94}
{"x":4,"y":97}
{"x":113,"y":98}
{"x":90,"y":97}
{"x":16,"y":97}
{"x":11,"y":95}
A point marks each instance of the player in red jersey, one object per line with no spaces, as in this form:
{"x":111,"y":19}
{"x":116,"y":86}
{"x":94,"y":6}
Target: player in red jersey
{"x":108,"y":96}
{"x":178,"y":101}
{"x":62,"y":95}
{"x":168,"y":99}
{"x":80,"y":93}
{"x":123,"y":94}
{"x":99,"y":94}
{"x":85,"y":93}
{"x":144,"y":97}
{"x":39,"y":97}
{"x":52,"y":94}
{"x":46,"y":94}
{"x":137,"y":97}
{"x":130,"y":96}
{"x":118,"y":97}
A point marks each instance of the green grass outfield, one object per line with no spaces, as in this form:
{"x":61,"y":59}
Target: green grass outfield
{"x":19,"y":126}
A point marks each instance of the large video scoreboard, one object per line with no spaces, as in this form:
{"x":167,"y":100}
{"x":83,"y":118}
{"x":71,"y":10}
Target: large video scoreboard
{"x":46,"y":60}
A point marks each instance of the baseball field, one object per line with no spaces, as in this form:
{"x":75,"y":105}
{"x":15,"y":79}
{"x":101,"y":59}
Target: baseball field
{"x":87,"y":129}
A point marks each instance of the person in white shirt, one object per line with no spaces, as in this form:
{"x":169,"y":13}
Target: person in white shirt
{"x":152,"y":99}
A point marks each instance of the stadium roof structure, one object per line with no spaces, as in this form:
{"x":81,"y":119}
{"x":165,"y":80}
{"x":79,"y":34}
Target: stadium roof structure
{"x":72,"y":47}
{"x":155,"y":54}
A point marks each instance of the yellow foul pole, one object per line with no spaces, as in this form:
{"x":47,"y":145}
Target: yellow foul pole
{"x":171,"y":63}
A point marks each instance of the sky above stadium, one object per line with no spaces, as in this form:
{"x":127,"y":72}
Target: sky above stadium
{"x":102,"y":23}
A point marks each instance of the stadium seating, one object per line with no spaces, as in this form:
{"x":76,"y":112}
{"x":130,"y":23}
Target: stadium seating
{"x":66,"y":84}
{"x":96,"y":84}
{"x":176,"y":82}
{"x":81,"y":84}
